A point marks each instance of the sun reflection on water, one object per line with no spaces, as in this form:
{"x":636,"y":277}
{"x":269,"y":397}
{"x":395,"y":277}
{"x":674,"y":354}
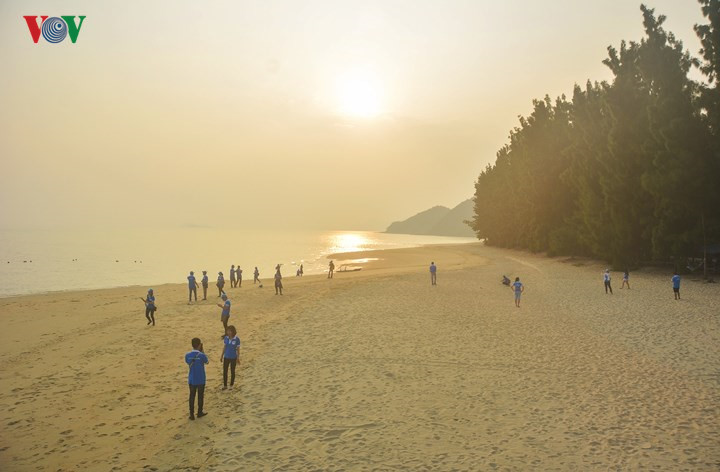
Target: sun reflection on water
{"x":350,"y":242}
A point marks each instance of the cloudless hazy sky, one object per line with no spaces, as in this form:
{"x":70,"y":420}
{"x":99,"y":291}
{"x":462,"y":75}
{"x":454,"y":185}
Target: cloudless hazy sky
{"x":300,"y":114}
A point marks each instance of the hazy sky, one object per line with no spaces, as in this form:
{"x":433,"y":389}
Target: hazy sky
{"x":309,"y":114}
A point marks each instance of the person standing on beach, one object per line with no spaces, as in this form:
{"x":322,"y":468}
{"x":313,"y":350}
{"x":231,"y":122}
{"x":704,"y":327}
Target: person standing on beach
{"x":626,"y":280}
{"x":278,"y":280}
{"x":225,"y":314}
{"x":192,"y":287}
{"x":232,"y":276}
{"x":606,"y":280}
{"x":196,"y":360}
{"x":302,"y":271}
{"x":238,"y":276}
{"x":256,"y":276}
{"x":676,"y":285}
{"x":220,"y":283}
{"x":331,"y":269}
{"x":230,"y":354}
{"x":433,"y":273}
{"x":518,"y":288}
{"x":205,"y":282}
{"x":150,"y":306}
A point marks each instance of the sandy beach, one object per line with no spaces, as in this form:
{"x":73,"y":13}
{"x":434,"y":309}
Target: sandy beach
{"x":374,"y":370}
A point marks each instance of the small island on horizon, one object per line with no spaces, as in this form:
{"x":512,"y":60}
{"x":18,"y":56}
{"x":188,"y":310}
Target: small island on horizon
{"x":438,"y":221}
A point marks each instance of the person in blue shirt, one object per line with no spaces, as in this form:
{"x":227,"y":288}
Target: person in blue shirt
{"x":606,"y":281}
{"x":433,"y":274}
{"x":232,"y":276}
{"x":205,"y":281}
{"x":238,"y":276}
{"x":626,"y":279}
{"x":192,"y":287}
{"x":225,"y":315}
{"x":196,"y":360}
{"x":150,"y":307}
{"x":518,"y":288}
{"x":220,"y":284}
{"x":229,"y":357}
{"x":676,"y":285}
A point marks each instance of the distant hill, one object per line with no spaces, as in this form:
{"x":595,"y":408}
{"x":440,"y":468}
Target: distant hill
{"x":420,"y":223}
{"x":453,"y":223}
{"x":437,"y":221}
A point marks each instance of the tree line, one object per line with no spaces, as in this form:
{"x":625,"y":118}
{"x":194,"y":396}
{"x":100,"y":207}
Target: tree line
{"x":627,"y":171}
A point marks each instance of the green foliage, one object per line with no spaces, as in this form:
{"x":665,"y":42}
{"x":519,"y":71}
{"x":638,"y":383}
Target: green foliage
{"x":627,"y":171}
{"x":709,"y":35}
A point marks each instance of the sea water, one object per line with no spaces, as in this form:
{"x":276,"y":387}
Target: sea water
{"x":43,"y":261}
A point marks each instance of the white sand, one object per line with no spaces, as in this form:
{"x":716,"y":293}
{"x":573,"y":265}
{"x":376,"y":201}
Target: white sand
{"x":374,"y":370}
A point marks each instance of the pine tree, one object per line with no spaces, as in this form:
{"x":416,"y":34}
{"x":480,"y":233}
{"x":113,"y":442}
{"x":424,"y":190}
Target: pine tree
{"x":628,"y":170}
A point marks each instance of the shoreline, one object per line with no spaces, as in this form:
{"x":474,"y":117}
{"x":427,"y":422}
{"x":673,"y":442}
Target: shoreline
{"x":373,"y":369}
{"x":328,"y":256}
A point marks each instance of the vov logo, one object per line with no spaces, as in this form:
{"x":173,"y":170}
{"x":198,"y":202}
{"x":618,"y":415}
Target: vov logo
{"x":54,"y":29}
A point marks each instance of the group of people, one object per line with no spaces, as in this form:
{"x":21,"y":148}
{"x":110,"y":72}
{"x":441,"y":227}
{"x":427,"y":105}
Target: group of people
{"x":607,"y":282}
{"x":235,"y":281}
{"x":193,"y":285}
{"x":517,"y":287}
{"x":197,"y":359}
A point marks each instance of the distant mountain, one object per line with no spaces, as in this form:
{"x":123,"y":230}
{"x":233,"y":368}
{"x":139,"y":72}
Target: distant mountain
{"x":437,"y":221}
{"x":421,"y":223}
{"x":453,"y":223}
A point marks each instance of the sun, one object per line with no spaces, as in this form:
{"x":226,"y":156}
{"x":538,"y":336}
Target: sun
{"x":359,"y":95}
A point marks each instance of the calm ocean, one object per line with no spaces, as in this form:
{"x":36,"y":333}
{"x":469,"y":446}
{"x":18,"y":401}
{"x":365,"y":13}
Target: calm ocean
{"x":73,"y":260}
